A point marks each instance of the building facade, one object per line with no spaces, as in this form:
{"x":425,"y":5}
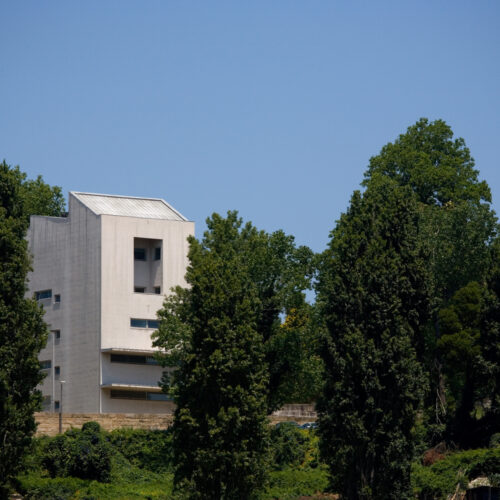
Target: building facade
{"x":101,"y":274}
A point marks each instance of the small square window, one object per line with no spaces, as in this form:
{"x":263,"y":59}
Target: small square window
{"x":57,"y":298}
{"x":57,"y":334}
{"x":139,"y":289}
{"x":56,"y":405}
{"x":157,"y":253}
{"x":139,"y":254}
{"x":157,"y":290}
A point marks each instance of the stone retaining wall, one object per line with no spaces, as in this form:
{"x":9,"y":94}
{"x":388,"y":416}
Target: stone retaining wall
{"x":48,"y":423}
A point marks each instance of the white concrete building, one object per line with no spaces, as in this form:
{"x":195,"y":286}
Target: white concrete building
{"x":101,"y":274}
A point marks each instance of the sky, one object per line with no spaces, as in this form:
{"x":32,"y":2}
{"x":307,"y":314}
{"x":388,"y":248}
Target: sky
{"x":272,"y":108}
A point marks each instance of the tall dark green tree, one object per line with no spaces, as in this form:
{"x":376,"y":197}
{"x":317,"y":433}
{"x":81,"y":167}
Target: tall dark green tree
{"x":220,"y":335}
{"x":456,"y":224}
{"x":374,"y":294}
{"x":22,"y":330}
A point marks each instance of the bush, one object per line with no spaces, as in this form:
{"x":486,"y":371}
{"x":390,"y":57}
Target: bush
{"x":83,"y":454}
{"x":288,"y":444}
{"x":151,"y":450}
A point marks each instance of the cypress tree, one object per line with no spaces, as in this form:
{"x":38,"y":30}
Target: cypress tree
{"x":373,"y":291}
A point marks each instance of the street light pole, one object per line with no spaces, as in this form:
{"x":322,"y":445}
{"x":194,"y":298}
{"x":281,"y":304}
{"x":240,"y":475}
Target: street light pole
{"x":62,"y":382}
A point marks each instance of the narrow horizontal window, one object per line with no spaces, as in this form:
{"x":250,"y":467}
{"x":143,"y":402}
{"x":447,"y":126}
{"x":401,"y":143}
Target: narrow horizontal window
{"x":45,"y":365}
{"x":149,"y":396}
{"x":139,"y":254}
{"x":143,"y":323}
{"x":43,"y":294}
{"x":139,"y":289}
{"x":138,"y":323}
{"x":133,"y":359}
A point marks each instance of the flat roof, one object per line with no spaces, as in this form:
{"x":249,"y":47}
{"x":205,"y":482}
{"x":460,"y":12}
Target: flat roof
{"x":128,"y":206}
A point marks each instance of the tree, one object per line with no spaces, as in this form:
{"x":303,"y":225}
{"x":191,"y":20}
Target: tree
{"x":374,"y":294}
{"x":22,"y":330}
{"x":456,"y":224}
{"x":219,"y":333}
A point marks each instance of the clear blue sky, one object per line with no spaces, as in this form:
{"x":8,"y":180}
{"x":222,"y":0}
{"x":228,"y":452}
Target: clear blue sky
{"x":272,"y":108}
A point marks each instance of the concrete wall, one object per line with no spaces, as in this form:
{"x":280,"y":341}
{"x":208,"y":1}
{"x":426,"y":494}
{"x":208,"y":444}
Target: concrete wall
{"x":66,"y":259}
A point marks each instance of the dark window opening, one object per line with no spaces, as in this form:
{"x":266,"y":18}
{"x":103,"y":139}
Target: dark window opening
{"x":145,"y":396}
{"x":157,"y":253}
{"x":157,"y":290}
{"x":139,"y":254}
{"x":133,"y":359}
{"x":143,"y":323}
{"x":139,"y":289}
{"x":43,"y":294}
{"x":57,"y":298}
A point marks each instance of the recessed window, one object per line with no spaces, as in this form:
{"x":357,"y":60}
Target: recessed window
{"x":57,"y":298}
{"x":139,"y":254}
{"x":145,"y":396}
{"x":139,"y":289}
{"x":143,"y":323}
{"x":46,"y":365}
{"x":157,"y":253}
{"x":157,"y":290}
{"x":56,"y":405}
{"x":43,"y":294}
{"x":133,"y":359}
{"x":57,"y":334}
{"x":57,"y":370}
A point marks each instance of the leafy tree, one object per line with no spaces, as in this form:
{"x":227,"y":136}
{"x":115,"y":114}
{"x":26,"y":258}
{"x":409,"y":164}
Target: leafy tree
{"x":456,"y":224}
{"x":374,"y":294}
{"x":22,"y":330}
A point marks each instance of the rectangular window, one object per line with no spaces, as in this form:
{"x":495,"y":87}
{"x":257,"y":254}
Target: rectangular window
{"x":133,"y":359}
{"x":46,"y":365}
{"x":138,"y":323}
{"x":157,"y":253}
{"x":43,"y":294}
{"x":57,"y":334}
{"x":149,"y":396}
{"x":139,"y":289}
{"x":57,"y":298}
{"x":157,"y":290}
{"x":57,"y":370}
{"x":56,"y":405}
{"x":143,"y":323}
{"x":139,"y":254}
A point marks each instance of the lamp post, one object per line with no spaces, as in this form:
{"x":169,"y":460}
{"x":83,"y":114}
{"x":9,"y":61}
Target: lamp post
{"x":62,"y":382}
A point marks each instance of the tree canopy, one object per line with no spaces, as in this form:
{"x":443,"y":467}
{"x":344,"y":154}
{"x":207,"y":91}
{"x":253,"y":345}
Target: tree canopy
{"x":22,"y":329}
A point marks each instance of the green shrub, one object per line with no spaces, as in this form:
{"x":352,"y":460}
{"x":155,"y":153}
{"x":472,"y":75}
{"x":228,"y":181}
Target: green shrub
{"x":151,"y":450}
{"x":290,"y":484}
{"x":288,"y":444}
{"x":440,"y":479}
{"x":84,"y":454}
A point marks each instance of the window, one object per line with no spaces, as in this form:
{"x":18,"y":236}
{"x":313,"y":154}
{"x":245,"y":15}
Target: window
{"x":46,"y":365}
{"x":57,"y":298}
{"x":133,"y":359}
{"x":139,"y":254}
{"x":143,"y":323}
{"x":57,"y":334}
{"x":157,"y":290}
{"x":157,"y":253}
{"x":139,"y":289}
{"x":56,"y":405}
{"x":57,"y":370}
{"x":43,"y":294}
{"x":145,"y":396}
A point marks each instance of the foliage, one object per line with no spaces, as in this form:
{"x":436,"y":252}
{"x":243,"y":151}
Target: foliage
{"x":22,"y":330}
{"x":213,"y":330}
{"x":374,"y":295}
{"x":83,"y":454}
{"x":291,"y":484}
{"x":289,"y":445}
{"x":151,"y":450}
{"x":439,"y":480}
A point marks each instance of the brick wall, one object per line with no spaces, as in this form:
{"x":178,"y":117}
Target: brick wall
{"x":48,"y":423}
